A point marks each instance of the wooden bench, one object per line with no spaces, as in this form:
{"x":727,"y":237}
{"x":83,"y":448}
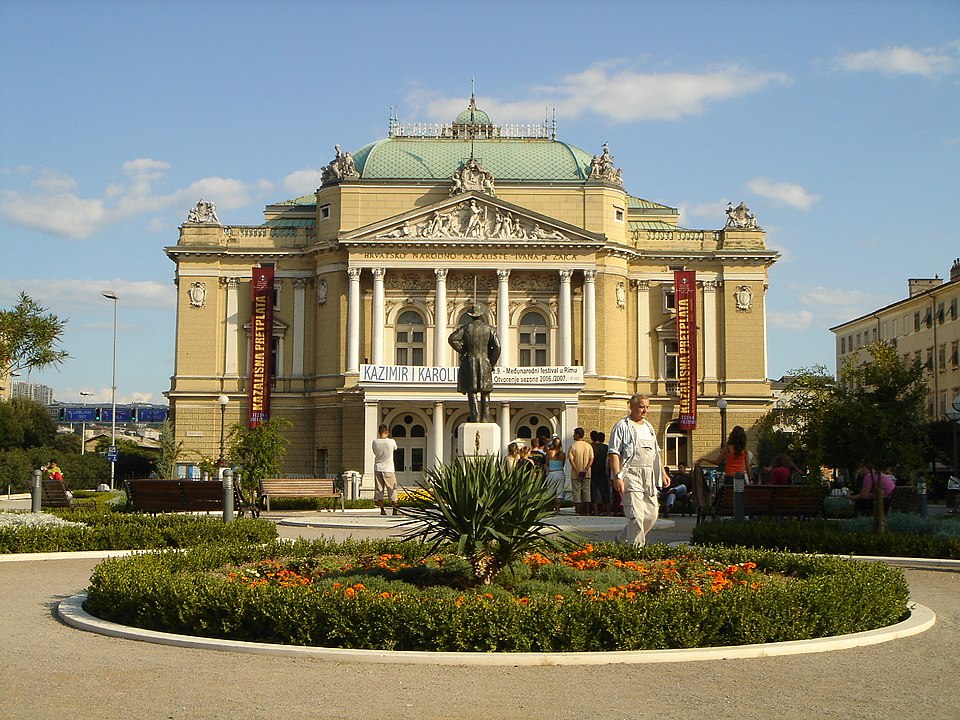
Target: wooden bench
{"x":903,"y":499}
{"x":156,"y":496}
{"x":772,"y":500}
{"x":298,"y":488}
{"x":54,"y":494}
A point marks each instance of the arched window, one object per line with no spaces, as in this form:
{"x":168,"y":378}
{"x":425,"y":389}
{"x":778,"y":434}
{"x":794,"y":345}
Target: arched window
{"x":533,"y":340}
{"x":410,"y":335}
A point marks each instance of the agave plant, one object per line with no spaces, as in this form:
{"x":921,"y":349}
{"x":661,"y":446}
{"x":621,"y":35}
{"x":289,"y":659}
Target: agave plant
{"x":486,"y":513}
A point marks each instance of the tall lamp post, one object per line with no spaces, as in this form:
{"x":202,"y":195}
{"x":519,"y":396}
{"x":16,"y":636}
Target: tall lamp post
{"x":83,"y":424}
{"x":223,"y":400}
{"x":722,"y":404}
{"x":954,"y":414}
{"x":113,"y":392}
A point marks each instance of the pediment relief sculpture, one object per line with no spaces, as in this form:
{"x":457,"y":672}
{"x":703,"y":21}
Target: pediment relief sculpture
{"x":472,"y":219}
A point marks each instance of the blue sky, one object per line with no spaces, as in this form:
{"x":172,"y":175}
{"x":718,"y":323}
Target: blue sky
{"x":838,"y":123}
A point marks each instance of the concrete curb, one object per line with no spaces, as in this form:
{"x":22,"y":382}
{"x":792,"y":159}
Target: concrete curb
{"x":71,"y":612}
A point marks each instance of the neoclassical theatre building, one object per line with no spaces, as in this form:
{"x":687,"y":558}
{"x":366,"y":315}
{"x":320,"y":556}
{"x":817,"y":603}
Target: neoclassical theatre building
{"x":334,"y":313}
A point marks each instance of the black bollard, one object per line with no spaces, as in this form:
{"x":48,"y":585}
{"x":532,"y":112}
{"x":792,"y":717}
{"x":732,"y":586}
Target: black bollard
{"x":922,"y":495}
{"x":35,"y":492}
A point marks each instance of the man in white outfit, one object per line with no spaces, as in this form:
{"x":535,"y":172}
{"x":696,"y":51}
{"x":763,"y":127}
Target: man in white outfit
{"x":637,"y":469}
{"x":385,"y":478}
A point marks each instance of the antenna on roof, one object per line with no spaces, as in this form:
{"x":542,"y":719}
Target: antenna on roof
{"x":553,"y":129}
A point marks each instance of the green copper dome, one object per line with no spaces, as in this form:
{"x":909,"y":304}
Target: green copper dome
{"x":479,"y":117}
{"x":509,"y":159}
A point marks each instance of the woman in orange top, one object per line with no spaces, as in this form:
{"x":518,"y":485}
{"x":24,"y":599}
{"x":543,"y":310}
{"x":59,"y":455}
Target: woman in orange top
{"x":735,"y":456}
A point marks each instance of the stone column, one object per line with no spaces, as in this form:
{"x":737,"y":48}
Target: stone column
{"x":440,"y":319}
{"x":299,"y":314}
{"x":438,"y":432}
{"x":353,"y":321}
{"x":378,"y":318}
{"x":566,"y":349}
{"x":371,"y":421}
{"x":710,"y":330}
{"x":505,"y":436}
{"x":231,"y":334}
{"x":589,"y":322}
{"x":503,"y":317}
{"x":643,"y":329}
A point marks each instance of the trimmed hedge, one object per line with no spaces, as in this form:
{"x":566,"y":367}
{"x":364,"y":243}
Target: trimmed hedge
{"x":355,"y":598}
{"x":918,"y":538}
{"x":109,"y":530}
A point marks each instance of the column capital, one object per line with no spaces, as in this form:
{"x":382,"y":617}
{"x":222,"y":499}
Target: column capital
{"x":441,"y":274}
{"x":354,"y":273}
{"x":230,"y":282}
{"x":300,"y":282}
{"x":378,"y":273}
{"x":589,"y":275}
{"x":503,"y":274}
{"x":711,"y":285}
{"x":565,"y":275}
{"x":640,"y":284}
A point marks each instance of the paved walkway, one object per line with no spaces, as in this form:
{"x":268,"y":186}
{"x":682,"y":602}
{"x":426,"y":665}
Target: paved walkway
{"x":49,"y":670}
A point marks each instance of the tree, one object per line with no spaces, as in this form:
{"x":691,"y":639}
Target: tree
{"x":879,"y":416}
{"x":38,"y":427}
{"x":170,"y":451}
{"x":873,"y":414}
{"x":29,"y":337}
{"x":259,"y":451}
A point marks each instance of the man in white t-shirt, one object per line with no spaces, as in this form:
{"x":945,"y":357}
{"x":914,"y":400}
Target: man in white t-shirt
{"x":385,"y":477}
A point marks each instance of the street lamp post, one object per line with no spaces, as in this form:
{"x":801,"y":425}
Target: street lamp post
{"x":223,"y":400}
{"x":113,"y":391}
{"x":83,"y":424}
{"x":722,"y":404}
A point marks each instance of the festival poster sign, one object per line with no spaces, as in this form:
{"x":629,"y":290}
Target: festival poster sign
{"x":685,"y":289}
{"x":261,"y":334}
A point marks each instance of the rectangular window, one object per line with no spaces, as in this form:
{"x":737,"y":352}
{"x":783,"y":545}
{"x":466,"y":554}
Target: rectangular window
{"x":324,"y":212}
{"x":942,"y":357}
{"x":953,"y":309}
{"x":916,"y":322}
{"x":843,"y":346}
{"x":929,"y":362}
{"x":955,"y":353}
{"x":896,"y":328}
{"x":618,"y":214}
{"x":859,"y":343}
{"x":671,"y":359}
{"x":940,"y":313}
{"x":669,"y":299}
{"x":874,"y":334}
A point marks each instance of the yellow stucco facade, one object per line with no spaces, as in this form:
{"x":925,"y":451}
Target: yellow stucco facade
{"x":375,"y":270}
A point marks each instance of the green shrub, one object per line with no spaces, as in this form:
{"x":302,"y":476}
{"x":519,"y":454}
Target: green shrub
{"x":108,"y":530}
{"x":907,"y":536}
{"x":276,"y":593}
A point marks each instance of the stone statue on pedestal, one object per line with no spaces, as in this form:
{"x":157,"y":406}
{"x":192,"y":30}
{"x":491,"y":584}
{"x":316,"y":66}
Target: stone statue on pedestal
{"x":478,"y":347}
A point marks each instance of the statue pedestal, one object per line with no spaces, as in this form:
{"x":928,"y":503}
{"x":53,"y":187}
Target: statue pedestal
{"x":478,"y":439}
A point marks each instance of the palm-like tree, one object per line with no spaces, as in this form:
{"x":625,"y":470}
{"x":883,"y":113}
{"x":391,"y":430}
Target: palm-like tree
{"x":486,"y":513}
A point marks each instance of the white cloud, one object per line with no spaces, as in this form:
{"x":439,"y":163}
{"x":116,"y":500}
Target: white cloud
{"x":902,"y":60}
{"x":796,"y":320}
{"x":715,"y":211}
{"x":302,"y":182}
{"x":784,"y":192}
{"x":53,"y":205}
{"x":72,"y":294}
{"x":620,"y":95}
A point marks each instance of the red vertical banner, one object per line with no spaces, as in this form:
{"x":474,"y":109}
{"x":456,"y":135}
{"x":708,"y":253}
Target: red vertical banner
{"x":685,"y":290}
{"x":261,"y":335}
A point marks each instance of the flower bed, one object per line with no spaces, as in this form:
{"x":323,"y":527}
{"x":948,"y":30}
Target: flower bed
{"x":383,"y":595}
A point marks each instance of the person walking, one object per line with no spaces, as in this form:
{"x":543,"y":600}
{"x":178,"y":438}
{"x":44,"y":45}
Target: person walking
{"x":599,"y":479}
{"x":638,"y":470}
{"x":384,"y":474}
